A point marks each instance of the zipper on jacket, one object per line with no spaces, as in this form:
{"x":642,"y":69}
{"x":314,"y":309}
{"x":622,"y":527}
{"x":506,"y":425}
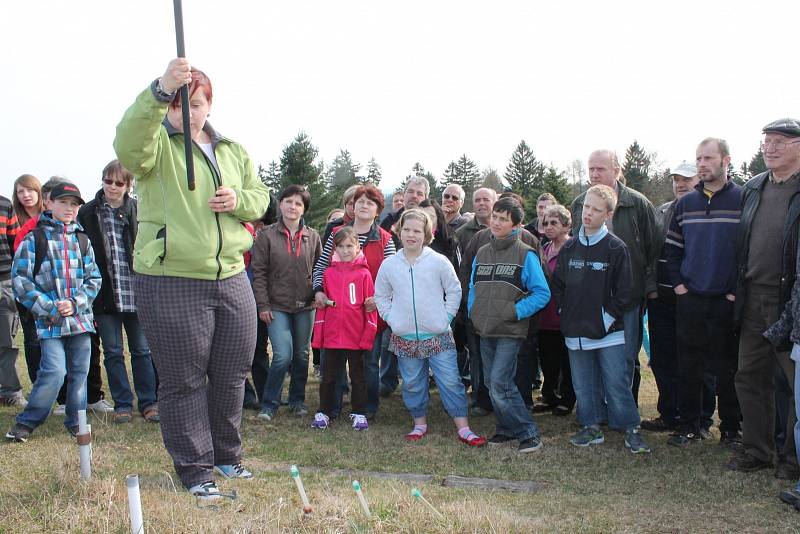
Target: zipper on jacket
{"x":414,"y":301}
{"x":217,"y":179}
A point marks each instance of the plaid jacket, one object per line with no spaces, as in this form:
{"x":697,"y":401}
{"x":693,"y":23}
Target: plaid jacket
{"x":63,"y":275}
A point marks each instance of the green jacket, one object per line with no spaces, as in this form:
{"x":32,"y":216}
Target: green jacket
{"x":179,"y":235}
{"x":635,"y":223}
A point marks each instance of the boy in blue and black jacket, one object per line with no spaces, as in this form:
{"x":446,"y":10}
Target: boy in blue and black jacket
{"x":507,"y":286}
{"x":58,"y":289}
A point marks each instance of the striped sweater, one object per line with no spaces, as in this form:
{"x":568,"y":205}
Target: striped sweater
{"x":8,"y":231}
{"x":700,"y":246}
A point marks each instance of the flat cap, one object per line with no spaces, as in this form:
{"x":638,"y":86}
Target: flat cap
{"x":787,"y":126}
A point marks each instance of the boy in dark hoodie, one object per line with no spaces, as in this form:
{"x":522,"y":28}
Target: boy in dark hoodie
{"x":59,"y":294}
{"x":592,"y":288}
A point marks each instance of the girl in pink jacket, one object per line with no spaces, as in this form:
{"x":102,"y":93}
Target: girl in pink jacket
{"x":344,"y":328}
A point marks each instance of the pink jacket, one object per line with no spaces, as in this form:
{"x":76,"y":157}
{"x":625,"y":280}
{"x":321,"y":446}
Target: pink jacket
{"x":346,"y":325}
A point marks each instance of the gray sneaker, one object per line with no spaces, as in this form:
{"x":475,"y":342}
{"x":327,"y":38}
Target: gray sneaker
{"x":588,"y":435}
{"x":19,"y":433}
{"x":635,"y":443}
{"x":266,"y":414}
{"x":298,"y":409}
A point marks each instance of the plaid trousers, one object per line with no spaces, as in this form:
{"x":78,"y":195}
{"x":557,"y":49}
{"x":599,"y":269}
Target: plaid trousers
{"x":202,"y":337}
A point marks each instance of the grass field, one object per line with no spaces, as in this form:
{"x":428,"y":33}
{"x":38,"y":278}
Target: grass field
{"x":602,"y":489}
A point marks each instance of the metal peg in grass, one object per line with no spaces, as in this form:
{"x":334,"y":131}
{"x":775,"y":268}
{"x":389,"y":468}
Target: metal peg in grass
{"x":299,"y":483}
{"x":361,"y":498}
{"x":417,"y":495}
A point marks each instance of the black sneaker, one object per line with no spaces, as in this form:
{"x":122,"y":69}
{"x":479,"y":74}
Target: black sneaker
{"x":787,"y":471}
{"x":746,"y":463}
{"x":685,"y":438}
{"x":791,"y":496}
{"x":731,"y":439}
{"x":73,"y":431}
{"x":658,"y":424}
{"x":561,"y":411}
{"x":532,"y":444}
{"x":499,"y":439}
{"x":19,"y":433}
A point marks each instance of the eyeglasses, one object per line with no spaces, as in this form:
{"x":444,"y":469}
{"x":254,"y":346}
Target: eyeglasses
{"x":109,"y":181}
{"x":776,"y":145}
{"x":448,"y":196}
{"x":550,"y":223}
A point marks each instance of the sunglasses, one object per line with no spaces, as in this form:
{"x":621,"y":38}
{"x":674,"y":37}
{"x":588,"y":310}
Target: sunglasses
{"x":550,"y":223}
{"x":109,"y":181}
{"x":448,"y":196}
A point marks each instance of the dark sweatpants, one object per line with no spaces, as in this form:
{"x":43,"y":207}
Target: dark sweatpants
{"x":202,"y":336}
{"x":706,"y":341}
{"x":332,"y":369}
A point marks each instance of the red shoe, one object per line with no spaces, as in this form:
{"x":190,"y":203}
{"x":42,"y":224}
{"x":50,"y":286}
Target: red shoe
{"x":474,"y":440}
{"x":413,"y":436}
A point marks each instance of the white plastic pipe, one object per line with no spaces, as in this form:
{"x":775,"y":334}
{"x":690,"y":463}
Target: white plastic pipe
{"x":299,"y":483}
{"x":134,"y":504}
{"x":84,"y":438}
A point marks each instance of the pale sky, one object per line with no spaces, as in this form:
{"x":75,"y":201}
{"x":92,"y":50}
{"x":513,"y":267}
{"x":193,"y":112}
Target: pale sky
{"x":402,"y":81}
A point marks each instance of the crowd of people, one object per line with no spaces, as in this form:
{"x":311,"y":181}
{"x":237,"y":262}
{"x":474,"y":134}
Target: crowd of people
{"x":478,"y":305}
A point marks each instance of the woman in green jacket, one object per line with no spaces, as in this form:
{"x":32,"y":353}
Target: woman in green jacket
{"x":193,"y":297}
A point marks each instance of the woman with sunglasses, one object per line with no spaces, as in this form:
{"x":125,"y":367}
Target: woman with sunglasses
{"x":193,"y":296}
{"x":110,"y":222}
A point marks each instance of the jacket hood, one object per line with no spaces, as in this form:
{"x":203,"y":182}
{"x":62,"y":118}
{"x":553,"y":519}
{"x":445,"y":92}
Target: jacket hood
{"x":360,"y":262}
{"x":426,"y":251}
{"x":46,"y":220}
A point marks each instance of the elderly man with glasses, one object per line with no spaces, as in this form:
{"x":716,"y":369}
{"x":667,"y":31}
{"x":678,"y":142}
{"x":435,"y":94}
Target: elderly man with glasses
{"x":766,"y":256}
{"x":452,"y":202}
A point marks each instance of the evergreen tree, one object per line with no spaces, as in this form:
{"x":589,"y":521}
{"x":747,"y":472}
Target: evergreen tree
{"x":468,"y":178}
{"x":418,"y":170}
{"x":374,"y":174}
{"x":524,"y":173}
{"x":298,"y":167}
{"x":271,"y":177}
{"x":342,"y":173}
{"x":757,"y":165}
{"x":556,"y":184}
{"x":491,"y":179}
{"x":636,"y":168}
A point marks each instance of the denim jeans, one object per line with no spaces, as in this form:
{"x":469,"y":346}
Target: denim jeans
{"x":290,"y":336}
{"x":796,"y":359}
{"x":109,"y":326}
{"x":60,"y":356}
{"x":388,"y":370}
{"x":499,"y":356}
{"x":603,"y":374}
{"x":445,"y":372}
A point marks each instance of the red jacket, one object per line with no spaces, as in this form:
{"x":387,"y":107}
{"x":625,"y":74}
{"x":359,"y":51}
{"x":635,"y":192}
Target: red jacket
{"x":346,"y":325}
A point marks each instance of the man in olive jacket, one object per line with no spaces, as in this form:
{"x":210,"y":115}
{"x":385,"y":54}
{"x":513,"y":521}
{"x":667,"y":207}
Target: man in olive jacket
{"x":635,"y":223}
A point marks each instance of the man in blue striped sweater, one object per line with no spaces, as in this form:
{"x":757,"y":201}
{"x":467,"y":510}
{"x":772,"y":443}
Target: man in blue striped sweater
{"x":700,"y":249}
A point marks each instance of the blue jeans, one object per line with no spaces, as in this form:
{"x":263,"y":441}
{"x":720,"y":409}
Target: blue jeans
{"x":445,"y":372}
{"x":603,"y":374}
{"x":290,"y":336}
{"x":388,"y":368}
{"x":499,"y":356}
{"x":109,"y":326}
{"x":60,"y":356}
{"x":796,"y":359}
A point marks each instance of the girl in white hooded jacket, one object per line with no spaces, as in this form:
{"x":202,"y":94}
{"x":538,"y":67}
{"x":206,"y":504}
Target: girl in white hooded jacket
{"x":418,"y":294}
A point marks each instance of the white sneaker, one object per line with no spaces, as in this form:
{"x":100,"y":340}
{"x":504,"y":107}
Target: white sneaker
{"x":61,"y":409}
{"x":207,"y":491}
{"x":101,"y":406}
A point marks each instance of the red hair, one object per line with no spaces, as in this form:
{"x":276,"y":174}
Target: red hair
{"x":199,"y":81}
{"x":372,"y":193}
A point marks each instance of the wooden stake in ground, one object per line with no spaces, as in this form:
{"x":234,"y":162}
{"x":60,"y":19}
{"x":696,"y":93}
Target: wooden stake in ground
{"x":296,"y":476}
{"x":416,"y":493}
{"x":361,"y":498}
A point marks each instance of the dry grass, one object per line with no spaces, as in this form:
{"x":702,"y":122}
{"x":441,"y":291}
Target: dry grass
{"x":603,"y":489}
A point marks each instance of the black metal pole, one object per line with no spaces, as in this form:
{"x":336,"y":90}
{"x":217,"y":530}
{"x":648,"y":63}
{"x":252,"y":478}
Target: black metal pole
{"x":187,"y":129}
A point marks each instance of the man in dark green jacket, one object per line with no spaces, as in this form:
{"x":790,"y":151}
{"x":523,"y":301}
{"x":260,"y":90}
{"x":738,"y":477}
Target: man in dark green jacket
{"x":634,"y":222}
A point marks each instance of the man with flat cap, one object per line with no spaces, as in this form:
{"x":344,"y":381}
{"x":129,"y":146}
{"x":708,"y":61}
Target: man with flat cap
{"x":766,"y":256}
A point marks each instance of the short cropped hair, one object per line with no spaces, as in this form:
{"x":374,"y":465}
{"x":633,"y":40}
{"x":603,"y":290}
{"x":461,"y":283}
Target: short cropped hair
{"x":301,"y":191}
{"x":722,"y":144}
{"x":605,"y":193}
{"x":421,"y":216}
{"x":420,"y":180}
{"x":559,"y":212}
{"x":511,"y":206}
{"x":372,"y":193}
{"x":546,"y":196}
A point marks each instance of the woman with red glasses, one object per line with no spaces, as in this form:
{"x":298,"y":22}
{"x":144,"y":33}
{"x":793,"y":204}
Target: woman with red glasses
{"x":110,"y":222}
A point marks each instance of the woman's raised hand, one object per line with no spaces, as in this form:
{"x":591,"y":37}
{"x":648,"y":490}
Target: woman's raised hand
{"x":178,"y":74}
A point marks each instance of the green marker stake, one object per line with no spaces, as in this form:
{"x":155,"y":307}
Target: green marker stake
{"x":416,"y":493}
{"x":299,"y":483}
{"x":361,"y":498}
